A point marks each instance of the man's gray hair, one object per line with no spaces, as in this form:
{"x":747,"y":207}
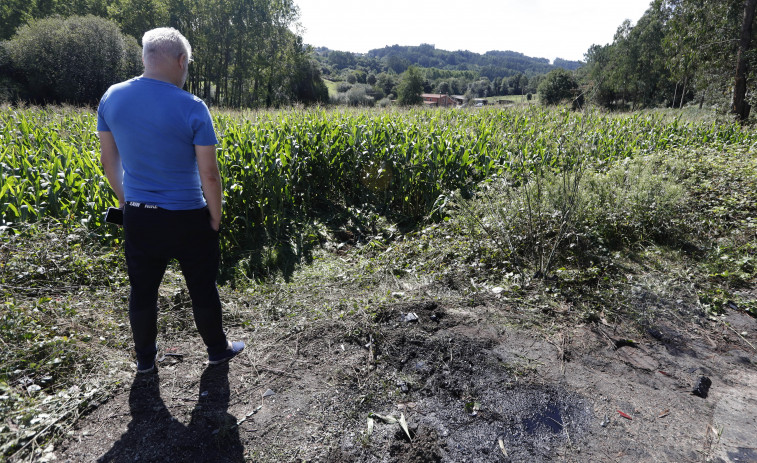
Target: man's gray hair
{"x":164,"y":42}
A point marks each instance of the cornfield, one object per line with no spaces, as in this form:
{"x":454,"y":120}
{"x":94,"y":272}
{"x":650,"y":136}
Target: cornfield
{"x":281,"y":167}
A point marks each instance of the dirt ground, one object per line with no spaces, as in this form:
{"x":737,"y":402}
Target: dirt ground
{"x":470,"y":382}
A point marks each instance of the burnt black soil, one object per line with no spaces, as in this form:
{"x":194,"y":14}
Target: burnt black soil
{"x":472,"y":384}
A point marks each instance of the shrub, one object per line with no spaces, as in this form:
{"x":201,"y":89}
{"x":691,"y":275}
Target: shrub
{"x":73,"y":59}
{"x":633,"y":201}
{"x":343,"y":87}
{"x":358,"y":96}
{"x":9,"y":87}
{"x":536,"y":220}
{"x":558,"y":87}
{"x":376,"y":92}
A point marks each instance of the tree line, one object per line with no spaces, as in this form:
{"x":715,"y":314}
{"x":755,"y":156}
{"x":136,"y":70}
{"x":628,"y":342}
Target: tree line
{"x":246,"y":54}
{"x":679,"y":52}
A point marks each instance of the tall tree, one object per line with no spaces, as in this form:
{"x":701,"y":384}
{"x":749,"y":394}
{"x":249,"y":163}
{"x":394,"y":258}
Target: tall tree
{"x":246,"y":55}
{"x":138,"y":16}
{"x":410,"y":87}
{"x":13,"y":14}
{"x":740,"y":107}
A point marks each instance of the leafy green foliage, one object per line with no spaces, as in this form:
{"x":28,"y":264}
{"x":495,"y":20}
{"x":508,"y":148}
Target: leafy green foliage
{"x":560,"y":86}
{"x":246,"y":53}
{"x":536,"y":216}
{"x":308,"y":85}
{"x":679,"y":52}
{"x":49,"y":167}
{"x":247,"y":56}
{"x":12,"y":14}
{"x":633,"y":201}
{"x":410,"y":87}
{"x":73,"y":60}
{"x":724,"y":210}
{"x":138,"y":16}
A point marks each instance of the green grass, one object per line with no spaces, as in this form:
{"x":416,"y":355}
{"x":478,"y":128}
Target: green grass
{"x":512,"y":99}
{"x":331,"y":85}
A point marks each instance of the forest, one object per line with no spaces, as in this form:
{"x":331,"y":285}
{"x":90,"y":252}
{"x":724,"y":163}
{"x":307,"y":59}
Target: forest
{"x":679,"y":52}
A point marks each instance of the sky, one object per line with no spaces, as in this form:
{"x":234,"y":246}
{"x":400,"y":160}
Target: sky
{"x":537,"y":28}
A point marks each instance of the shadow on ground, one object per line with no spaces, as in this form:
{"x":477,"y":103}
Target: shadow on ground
{"x":154,"y":435}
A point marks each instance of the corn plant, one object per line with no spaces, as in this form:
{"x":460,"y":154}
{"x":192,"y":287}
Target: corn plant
{"x":284,"y":168}
{"x":49,"y":167}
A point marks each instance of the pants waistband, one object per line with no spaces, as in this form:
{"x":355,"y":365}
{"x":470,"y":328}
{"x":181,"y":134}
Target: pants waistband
{"x":142,"y":205}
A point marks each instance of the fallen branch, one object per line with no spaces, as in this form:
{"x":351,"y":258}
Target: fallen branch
{"x":739,"y":335}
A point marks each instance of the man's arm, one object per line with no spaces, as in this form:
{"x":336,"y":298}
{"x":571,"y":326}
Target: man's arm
{"x":111,"y":161}
{"x":210,"y":178}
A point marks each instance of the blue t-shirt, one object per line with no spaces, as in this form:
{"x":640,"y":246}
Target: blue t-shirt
{"x":156,"y":125}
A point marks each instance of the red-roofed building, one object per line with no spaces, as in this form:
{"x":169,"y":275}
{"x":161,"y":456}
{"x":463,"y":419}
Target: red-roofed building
{"x":438,"y":99}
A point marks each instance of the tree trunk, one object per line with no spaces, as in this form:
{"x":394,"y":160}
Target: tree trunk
{"x":675,"y":94}
{"x":740,"y":107}
{"x":683,"y":92}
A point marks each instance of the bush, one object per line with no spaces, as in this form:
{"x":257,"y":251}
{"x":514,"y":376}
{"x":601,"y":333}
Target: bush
{"x":376,"y":92}
{"x":560,"y":86}
{"x":9,"y":88}
{"x":73,"y":60}
{"x":634,"y":200}
{"x":547,"y":217}
{"x":343,"y":87}
{"x":356,"y":95}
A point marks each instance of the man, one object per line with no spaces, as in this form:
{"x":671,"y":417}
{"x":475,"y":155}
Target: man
{"x":157,"y":147}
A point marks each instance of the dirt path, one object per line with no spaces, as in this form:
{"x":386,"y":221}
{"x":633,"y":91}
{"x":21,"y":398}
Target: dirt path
{"x":470,"y":385}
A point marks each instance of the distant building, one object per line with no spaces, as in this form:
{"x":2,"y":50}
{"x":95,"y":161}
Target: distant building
{"x":460,"y":99}
{"x":438,"y":99}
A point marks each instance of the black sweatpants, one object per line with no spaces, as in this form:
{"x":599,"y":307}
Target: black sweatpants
{"x":154,"y":236}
